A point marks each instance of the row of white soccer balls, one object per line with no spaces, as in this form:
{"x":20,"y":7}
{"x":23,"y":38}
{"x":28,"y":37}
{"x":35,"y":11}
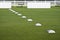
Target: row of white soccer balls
{"x":30,"y":20}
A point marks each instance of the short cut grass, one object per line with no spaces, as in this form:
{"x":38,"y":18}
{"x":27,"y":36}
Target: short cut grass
{"x":13,"y":27}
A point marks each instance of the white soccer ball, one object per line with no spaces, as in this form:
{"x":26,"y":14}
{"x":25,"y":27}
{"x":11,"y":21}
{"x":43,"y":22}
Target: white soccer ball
{"x":23,"y":16}
{"x":19,"y":14}
{"x":16,"y":12}
{"x":38,"y":24}
{"x":12,"y":10}
{"x":51,"y":31}
{"x":29,"y":20}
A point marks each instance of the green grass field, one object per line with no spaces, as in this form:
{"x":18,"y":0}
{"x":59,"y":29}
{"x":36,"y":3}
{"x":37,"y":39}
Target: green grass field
{"x":13,"y":27}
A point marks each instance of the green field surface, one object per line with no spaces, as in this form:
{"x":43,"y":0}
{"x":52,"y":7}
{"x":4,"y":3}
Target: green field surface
{"x":13,"y":27}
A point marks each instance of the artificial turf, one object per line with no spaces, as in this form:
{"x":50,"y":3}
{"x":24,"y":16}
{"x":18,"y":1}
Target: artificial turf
{"x":13,"y":27}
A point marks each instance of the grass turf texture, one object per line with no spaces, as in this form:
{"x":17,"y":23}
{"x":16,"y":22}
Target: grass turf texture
{"x":13,"y":27}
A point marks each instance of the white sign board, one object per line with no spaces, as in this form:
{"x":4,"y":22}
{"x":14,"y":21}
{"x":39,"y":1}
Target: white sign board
{"x":5,"y":4}
{"x":38,"y":5}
